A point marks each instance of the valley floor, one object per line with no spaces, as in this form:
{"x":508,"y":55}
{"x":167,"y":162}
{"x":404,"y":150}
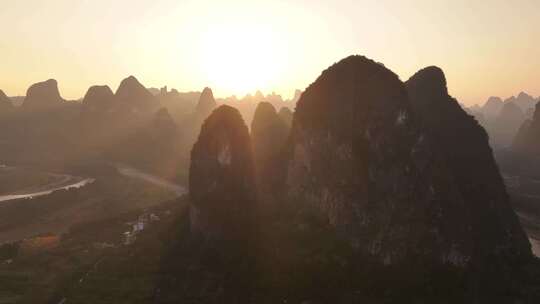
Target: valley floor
{"x":69,"y":200}
{"x":106,"y":258}
{"x":51,"y":241}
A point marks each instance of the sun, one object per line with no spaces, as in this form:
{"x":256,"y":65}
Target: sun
{"x":239,"y":59}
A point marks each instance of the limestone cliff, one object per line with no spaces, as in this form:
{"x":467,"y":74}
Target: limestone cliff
{"x":221,"y":178}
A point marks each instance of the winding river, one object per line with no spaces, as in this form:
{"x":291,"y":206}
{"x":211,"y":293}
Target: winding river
{"x":73,"y":182}
{"x":69,"y":182}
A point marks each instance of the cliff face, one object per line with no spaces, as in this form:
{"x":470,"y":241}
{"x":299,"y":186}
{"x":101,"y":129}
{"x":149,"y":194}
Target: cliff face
{"x":353,"y":156}
{"x":361,"y":157}
{"x":268,"y":135}
{"x":221,"y":178}
{"x":43,"y":95}
{"x":462,"y":144}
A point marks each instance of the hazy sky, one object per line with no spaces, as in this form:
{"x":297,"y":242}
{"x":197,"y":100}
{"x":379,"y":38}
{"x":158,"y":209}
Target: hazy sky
{"x":485,"y":47}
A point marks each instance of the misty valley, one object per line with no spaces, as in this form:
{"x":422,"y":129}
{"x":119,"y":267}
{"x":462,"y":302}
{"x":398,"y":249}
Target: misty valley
{"x":362,"y":188}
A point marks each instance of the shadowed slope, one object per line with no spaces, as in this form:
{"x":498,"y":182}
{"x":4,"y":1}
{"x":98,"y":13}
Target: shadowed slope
{"x":463,"y":144}
{"x":221,"y":178}
{"x":268,"y":134}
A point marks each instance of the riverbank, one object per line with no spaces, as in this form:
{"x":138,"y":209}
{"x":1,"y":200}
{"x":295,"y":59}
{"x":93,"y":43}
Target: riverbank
{"x":102,"y":196}
{"x":68,"y":182}
{"x":21,"y":182}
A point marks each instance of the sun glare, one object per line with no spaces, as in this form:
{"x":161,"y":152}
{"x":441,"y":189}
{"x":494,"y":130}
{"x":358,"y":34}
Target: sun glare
{"x":241,"y":59}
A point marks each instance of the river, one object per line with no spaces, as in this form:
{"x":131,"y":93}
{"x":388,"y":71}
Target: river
{"x":71,"y":182}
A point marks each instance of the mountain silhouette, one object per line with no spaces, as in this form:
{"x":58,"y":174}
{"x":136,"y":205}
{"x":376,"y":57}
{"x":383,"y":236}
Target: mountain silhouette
{"x":524,"y":101}
{"x":463,"y":145}
{"x":179,"y":105}
{"x":268,"y":136}
{"x":43,"y":95}
{"x":361,"y":152}
{"x":492,"y":107}
{"x":206,"y":103}
{"x":132,"y":96}
{"x":98,"y":100}
{"x":506,"y":124}
{"x":221,"y":178}
{"x":527,"y":140}
{"x":373,"y":190}
{"x":353,"y":153}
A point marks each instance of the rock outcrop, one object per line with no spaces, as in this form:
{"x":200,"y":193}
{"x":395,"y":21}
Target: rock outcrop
{"x":43,"y":95}
{"x":268,"y":135}
{"x":361,"y":157}
{"x":221,"y":179}
{"x":456,"y":137}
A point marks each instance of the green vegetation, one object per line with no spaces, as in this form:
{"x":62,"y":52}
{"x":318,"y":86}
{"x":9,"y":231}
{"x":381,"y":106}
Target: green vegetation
{"x":297,"y":259}
{"x":84,"y":252}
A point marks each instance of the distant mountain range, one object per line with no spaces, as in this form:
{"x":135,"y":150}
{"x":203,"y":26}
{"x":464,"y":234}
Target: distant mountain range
{"x":127,"y":125}
{"x":371,"y":190}
{"x":502,"y":119}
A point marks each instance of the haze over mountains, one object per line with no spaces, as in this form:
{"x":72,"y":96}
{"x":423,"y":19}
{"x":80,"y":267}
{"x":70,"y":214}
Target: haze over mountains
{"x":372,"y":190}
{"x":502,"y":119}
{"x":269,"y":133}
{"x":43,"y":95}
{"x":111,"y":126}
{"x":397,"y":174}
{"x":526,"y":140}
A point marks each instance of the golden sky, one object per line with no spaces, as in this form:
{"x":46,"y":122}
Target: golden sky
{"x":236,"y":46}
